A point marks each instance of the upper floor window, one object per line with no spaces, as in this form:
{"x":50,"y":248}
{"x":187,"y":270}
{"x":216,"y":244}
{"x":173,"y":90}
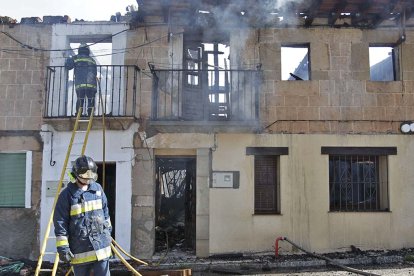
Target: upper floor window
{"x":358,"y":178}
{"x":15,"y":179}
{"x":383,"y":63}
{"x":295,"y":62}
{"x":206,"y":76}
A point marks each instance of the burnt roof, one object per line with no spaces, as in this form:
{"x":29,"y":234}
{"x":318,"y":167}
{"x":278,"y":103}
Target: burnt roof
{"x":307,"y":13}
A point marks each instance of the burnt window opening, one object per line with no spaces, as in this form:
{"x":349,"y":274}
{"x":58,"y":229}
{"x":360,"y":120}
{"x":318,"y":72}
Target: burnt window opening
{"x":211,"y":57}
{"x":266,"y":184}
{"x":175,"y":204}
{"x":207,"y":77}
{"x":295,"y":62}
{"x":358,"y":183}
{"x":193,"y":64}
{"x":383,"y":63}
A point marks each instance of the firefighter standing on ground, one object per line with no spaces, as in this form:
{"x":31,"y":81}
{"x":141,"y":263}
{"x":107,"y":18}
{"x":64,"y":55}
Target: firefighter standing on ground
{"x":85,"y":77}
{"x":82,"y":223}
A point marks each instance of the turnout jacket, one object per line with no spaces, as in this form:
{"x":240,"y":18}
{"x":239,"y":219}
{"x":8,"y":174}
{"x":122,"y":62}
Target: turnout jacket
{"x":85,"y":70}
{"x":82,"y":223}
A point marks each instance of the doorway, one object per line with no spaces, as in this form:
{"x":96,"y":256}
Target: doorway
{"x":109,"y":188}
{"x":175,"y":216}
{"x":206,"y":78}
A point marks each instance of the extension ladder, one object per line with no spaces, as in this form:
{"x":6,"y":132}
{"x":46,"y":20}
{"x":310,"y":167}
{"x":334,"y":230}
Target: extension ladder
{"x":116,"y":248}
{"x":62,"y":175}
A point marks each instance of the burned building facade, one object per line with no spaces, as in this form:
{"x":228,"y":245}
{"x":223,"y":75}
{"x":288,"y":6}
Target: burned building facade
{"x":209,"y":147}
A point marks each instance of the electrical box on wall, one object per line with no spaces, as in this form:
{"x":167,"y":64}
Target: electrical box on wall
{"x":228,"y":179}
{"x":51,"y":187}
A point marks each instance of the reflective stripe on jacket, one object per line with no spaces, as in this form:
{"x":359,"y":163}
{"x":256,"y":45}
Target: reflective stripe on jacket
{"x":82,"y":223}
{"x":84,"y":69}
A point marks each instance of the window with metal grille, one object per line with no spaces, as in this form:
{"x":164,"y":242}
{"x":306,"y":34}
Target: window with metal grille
{"x":266,"y":192}
{"x":358,"y":183}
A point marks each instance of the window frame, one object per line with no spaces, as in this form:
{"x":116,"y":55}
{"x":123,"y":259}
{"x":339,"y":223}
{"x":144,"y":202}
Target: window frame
{"x":395,"y":60}
{"x":296,"y":45}
{"x":28,"y":178}
{"x":273,"y":153}
{"x":362,"y":154}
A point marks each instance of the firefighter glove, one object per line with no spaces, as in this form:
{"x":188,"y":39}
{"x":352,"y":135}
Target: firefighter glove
{"x":66,"y":256}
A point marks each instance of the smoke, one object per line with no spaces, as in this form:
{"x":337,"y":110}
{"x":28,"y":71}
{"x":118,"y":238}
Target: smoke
{"x":280,"y":4}
{"x":283,"y":10}
{"x":237,"y":14}
{"x":238,"y":20}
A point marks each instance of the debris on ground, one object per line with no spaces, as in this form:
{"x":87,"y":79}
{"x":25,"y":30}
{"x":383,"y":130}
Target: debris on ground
{"x":13,"y":267}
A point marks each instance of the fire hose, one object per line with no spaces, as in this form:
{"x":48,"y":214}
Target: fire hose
{"x":328,"y":260}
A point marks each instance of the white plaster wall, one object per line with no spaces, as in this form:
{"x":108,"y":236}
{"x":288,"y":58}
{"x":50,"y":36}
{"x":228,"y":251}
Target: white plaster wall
{"x":305,"y":216}
{"x":119,"y":149}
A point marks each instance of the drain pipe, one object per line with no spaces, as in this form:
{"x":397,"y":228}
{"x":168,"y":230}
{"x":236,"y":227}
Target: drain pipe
{"x":330,"y":261}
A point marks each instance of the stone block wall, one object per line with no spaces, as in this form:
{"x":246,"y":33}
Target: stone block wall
{"x":22,"y":81}
{"x":22,"y":75}
{"x":20,"y":226}
{"x":339,"y":98}
{"x":149,"y":45}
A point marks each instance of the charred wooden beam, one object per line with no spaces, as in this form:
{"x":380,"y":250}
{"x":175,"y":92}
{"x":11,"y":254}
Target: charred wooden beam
{"x":312,"y":12}
{"x":385,"y":14}
{"x":407,"y":8}
{"x":362,"y":18}
{"x":336,"y":12}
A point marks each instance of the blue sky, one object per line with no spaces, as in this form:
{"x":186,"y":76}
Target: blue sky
{"x":89,"y":10}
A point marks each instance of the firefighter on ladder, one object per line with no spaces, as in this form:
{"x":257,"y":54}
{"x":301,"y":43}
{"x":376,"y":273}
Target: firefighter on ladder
{"x":85,"y":71}
{"x":82,"y":223}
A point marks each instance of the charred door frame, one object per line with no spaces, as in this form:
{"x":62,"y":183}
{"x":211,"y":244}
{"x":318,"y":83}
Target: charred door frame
{"x":166,"y":164}
{"x":194,"y":99}
{"x":109,"y":189}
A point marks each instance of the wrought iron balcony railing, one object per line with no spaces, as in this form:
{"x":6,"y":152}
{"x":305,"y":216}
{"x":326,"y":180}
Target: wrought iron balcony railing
{"x":205,"y":95}
{"x":116,"y":87}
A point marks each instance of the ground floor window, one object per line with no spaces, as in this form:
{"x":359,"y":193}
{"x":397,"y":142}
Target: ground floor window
{"x":266,"y":178}
{"x":15,"y":179}
{"x":266,"y":195}
{"x":358,"y":178}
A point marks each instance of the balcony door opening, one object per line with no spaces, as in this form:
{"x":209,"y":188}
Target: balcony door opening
{"x":101,"y":52}
{"x":206,"y":80}
{"x":175,"y":205}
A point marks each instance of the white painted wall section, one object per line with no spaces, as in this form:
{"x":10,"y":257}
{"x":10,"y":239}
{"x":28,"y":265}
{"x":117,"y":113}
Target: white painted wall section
{"x":119,"y":149}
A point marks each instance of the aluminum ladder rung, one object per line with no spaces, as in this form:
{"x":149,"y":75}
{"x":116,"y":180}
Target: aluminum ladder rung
{"x":46,"y":269}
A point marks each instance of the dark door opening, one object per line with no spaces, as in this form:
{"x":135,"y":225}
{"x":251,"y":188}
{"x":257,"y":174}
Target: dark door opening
{"x":109,"y":188}
{"x":175,"y":204}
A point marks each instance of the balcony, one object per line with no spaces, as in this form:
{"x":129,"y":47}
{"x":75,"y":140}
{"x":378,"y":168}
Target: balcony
{"x":214,"y":98}
{"x":116,"y":96}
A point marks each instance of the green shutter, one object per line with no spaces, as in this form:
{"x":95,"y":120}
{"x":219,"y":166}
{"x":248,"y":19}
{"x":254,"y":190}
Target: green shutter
{"x":12,"y":179}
